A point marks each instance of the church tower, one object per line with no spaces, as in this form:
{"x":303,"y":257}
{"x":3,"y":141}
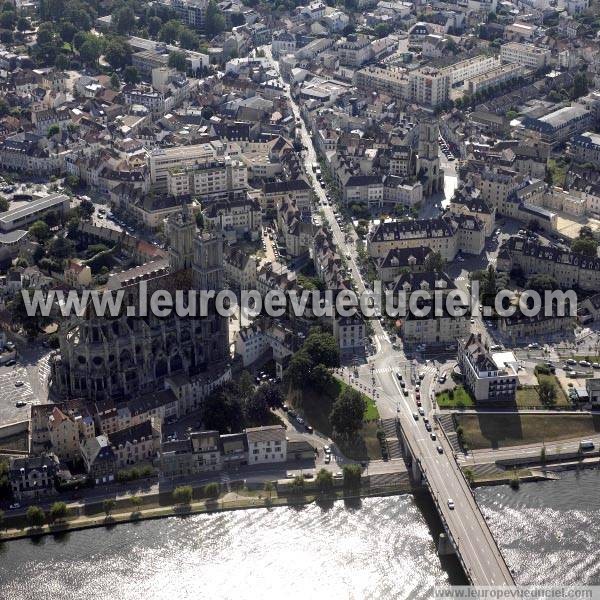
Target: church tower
{"x":428,"y":161}
{"x":181,"y":231}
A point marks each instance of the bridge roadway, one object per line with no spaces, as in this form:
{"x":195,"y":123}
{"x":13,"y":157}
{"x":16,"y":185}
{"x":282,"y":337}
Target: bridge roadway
{"x":481,"y":558}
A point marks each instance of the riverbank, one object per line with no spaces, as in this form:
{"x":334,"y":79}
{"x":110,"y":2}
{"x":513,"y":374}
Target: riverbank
{"x":227,"y":502}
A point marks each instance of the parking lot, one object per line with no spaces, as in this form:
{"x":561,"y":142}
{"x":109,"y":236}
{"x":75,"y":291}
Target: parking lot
{"x":11,"y":393}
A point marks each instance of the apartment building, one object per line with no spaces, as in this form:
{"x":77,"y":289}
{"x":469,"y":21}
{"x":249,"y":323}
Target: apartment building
{"x":468,"y":68}
{"x":266,"y":444}
{"x":586,"y":147}
{"x":164,"y":160}
{"x":209,"y":179}
{"x":240,"y":268}
{"x":526,"y":55}
{"x":64,"y":435}
{"x":393,"y":81}
{"x":33,"y":477}
{"x":558,"y":126}
{"x":489,"y":377}
{"x":354,"y":50}
{"x":236,"y":217}
{"x":442,"y":234}
{"x":430,"y":328}
{"x":350,"y":333}
{"x":275,"y":192}
{"x":136,"y":444}
{"x":569,"y":269}
{"x":429,"y":86}
{"x":494,"y":77}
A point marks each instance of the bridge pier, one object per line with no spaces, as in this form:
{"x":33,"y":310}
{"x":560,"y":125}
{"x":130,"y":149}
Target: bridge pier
{"x":445,"y":546}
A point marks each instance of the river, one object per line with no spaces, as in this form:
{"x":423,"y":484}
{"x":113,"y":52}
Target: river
{"x":380,"y":548}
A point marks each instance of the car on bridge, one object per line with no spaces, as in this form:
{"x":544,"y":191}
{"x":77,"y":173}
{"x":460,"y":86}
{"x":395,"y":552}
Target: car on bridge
{"x":450,"y":504}
{"x":440,"y":450}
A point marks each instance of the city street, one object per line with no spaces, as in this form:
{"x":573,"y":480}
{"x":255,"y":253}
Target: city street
{"x":465,"y":522}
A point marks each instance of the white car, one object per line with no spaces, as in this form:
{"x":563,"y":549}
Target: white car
{"x":327,"y":449}
{"x":450,"y":504}
{"x":421,"y":411}
{"x":19,"y":383}
{"x":327,"y":459}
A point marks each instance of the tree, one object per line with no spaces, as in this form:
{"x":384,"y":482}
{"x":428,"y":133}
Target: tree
{"x":62,"y":62}
{"x":272,"y":394}
{"x":35,"y":516}
{"x":586,"y":233}
{"x":117,"y":53}
{"x":67,"y":32}
{"x":580,"y":85}
{"x":269,"y":487}
{"x":324,"y":481}
{"x":53,"y":130}
{"x":215,"y":22}
{"x":211,"y":490}
{"x":115,"y":82}
{"x":123,"y":19}
{"x":60,"y":248}
{"x":23,"y":24}
{"x":256,"y":411}
{"x":135,"y":501}
{"x":297,"y":487}
{"x":1,"y":518}
{"x":188,"y":39}
{"x":322,"y":348}
{"x":91,"y":50}
{"x":222,"y":410}
{"x":40,"y":231}
{"x":6,"y":36}
{"x":299,"y":369}
{"x":177,"y":60}
{"x":547,"y":393}
{"x":86,"y":209}
{"x":8,"y":20}
{"x":347,"y":413}
{"x":352,"y":476}
{"x":58,"y":511}
{"x":4,"y":107}
{"x":434,"y":262}
{"x":4,"y":204}
{"x":130,"y":75}
{"x":154,"y":25}
{"x":246,"y":384}
{"x":108,"y":506}
{"x":182,"y":494}
{"x":169,"y":32}
{"x":585,"y":246}
{"x":320,"y":377}
{"x":541,"y":283}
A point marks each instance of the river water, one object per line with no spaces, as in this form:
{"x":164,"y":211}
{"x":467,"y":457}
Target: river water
{"x":380,"y":548}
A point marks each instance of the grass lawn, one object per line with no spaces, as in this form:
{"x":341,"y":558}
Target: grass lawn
{"x":500,"y":430}
{"x":528,"y":396}
{"x":460,"y":399}
{"x":316,"y":408}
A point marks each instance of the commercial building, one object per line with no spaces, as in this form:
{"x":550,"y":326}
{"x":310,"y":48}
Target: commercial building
{"x":560,"y":125}
{"x":526,"y":55}
{"x":21,"y":218}
{"x":489,"y":377}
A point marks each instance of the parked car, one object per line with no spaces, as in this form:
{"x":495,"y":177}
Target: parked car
{"x":440,"y":450}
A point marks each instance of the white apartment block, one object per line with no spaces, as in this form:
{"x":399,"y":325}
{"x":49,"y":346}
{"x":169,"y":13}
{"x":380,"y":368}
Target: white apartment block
{"x":266,"y":444}
{"x":182,"y":157}
{"x":471,"y":67}
{"x":429,"y":86}
{"x":496,"y":76}
{"x":526,"y":55}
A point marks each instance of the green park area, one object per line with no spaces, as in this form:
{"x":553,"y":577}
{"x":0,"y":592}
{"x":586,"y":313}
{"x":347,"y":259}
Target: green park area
{"x":456,"y":398}
{"x":494,"y":430}
{"x":331,"y":406}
